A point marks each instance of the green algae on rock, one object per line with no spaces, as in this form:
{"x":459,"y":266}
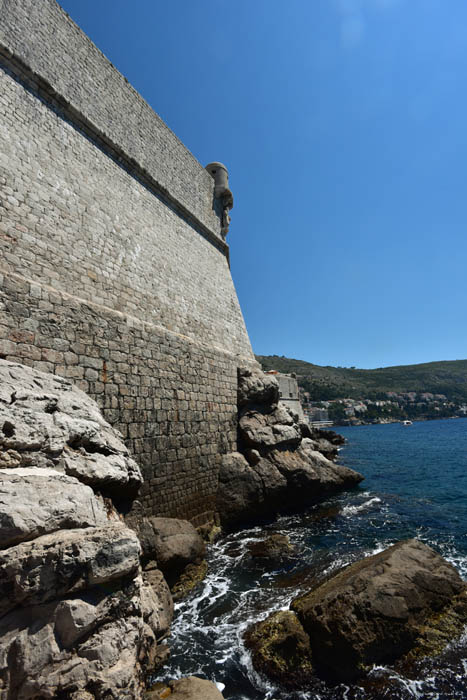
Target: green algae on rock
{"x":280,"y":649}
{"x":379,"y":609}
{"x":193,"y":574}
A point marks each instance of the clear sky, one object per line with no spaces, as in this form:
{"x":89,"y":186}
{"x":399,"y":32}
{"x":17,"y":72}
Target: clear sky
{"x":343,"y":124}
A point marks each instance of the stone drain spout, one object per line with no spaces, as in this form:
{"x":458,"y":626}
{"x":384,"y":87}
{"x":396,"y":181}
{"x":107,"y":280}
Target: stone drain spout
{"x":220,"y":174}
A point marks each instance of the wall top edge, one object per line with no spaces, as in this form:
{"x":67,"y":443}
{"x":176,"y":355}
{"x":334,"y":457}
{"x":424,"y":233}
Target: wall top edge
{"x":43,"y":37}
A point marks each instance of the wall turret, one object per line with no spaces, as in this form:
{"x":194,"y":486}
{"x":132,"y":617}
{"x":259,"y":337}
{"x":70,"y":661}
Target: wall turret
{"x":222,"y":192}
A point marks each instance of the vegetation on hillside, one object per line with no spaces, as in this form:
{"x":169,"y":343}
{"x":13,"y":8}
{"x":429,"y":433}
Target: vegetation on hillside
{"x":327,"y":383}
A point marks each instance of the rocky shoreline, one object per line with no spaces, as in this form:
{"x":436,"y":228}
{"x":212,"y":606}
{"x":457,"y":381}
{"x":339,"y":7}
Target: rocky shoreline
{"x":405,"y":602}
{"x":282,"y":464}
{"x":89,"y":581}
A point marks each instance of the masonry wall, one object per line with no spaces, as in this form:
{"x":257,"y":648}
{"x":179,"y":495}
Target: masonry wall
{"x":113,"y":269}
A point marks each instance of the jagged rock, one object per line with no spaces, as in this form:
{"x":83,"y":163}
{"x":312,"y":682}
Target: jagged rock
{"x":326,"y":448}
{"x":65,"y":562}
{"x":281,"y":480}
{"x":37,"y":501}
{"x":280,"y":649}
{"x":76,"y":618}
{"x":261,"y":427}
{"x":165,"y":607}
{"x":375,"y":610}
{"x":299,"y":473}
{"x":312,"y":475}
{"x":45,"y":421}
{"x":274,"y":485}
{"x":247,"y":493}
{"x":256,"y":387}
{"x":329,"y":435}
{"x":333,"y":477}
{"x":285,"y":467}
{"x":191,"y":688}
{"x":94,"y":642}
{"x":172,"y":543}
{"x":305,"y":429}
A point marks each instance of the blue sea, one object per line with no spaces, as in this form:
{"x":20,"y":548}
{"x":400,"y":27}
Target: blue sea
{"x":415,"y":486}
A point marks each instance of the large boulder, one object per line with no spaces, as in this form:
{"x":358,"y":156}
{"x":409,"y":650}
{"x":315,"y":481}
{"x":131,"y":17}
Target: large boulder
{"x":247,"y":493}
{"x":176,"y":548}
{"x":375,"y":610}
{"x":240,"y":489}
{"x":27,"y":509}
{"x":171,"y":542}
{"x":329,"y":435}
{"x":280,"y":648}
{"x":45,"y":421}
{"x":154,"y":578}
{"x":64,"y":562}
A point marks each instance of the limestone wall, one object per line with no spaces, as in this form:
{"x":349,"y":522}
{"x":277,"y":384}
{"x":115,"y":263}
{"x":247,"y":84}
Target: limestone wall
{"x":113,"y":268}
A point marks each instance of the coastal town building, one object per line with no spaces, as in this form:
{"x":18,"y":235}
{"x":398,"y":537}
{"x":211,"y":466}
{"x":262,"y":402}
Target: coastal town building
{"x":288,"y":392}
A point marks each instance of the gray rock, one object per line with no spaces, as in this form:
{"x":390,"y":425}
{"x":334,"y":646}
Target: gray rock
{"x":280,"y":480}
{"x":256,"y":387}
{"x":334,"y":477}
{"x":261,"y":427}
{"x":45,"y":421}
{"x":326,"y":448}
{"x":94,"y":643}
{"x":240,"y":490}
{"x":374,"y":611}
{"x":37,"y":501}
{"x":311,"y":475}
{"x":172,"y":543}
{"x":329,"y":435}
{"x":164,"y":606}
{"x":274,"y":483}
{"x":76,"y":618}
{"x":305,"y":429}
{"x":65,"y":562}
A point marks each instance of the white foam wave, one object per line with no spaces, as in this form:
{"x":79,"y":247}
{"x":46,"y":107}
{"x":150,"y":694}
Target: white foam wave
{"x":353,"y":510}
{"x":209,"y":627}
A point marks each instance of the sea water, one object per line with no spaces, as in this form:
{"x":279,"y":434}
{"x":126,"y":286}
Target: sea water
{"x":415,"y":486}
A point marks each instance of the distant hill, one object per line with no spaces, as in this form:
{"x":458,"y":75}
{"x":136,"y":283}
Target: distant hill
{"x":325,"y":383}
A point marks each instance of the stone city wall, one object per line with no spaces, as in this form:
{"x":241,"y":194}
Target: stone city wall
{"x":114,"y":272}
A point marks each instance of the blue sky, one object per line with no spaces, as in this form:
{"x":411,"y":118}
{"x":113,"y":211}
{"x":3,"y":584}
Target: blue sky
{"x":344,"y":127}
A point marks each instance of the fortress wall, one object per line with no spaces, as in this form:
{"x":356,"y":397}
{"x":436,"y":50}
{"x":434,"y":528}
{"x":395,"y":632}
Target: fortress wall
{"x":173,"y":399}
{"x":64,"y":62}
{"x":114,"y":272}
{"x":79,"y":222}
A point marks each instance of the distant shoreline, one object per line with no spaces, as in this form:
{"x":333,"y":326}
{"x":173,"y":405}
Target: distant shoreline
{"x":390,"y":422}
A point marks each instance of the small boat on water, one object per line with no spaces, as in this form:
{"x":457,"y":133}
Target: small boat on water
{"x":406,"y":422}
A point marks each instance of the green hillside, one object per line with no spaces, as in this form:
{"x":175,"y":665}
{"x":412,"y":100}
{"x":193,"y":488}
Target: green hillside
{"x":325,"y":383}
